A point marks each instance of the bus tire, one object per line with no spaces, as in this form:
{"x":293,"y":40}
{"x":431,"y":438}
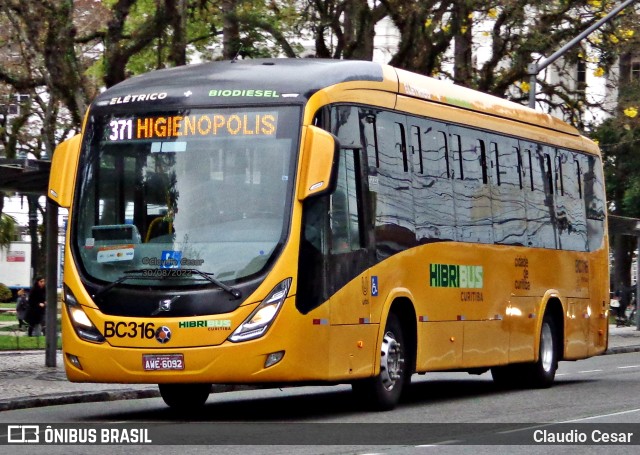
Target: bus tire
{"x":382,"y":392}
{"x":505,"y":376}
{"x":182,"y":397}
{"x":542,"y":373}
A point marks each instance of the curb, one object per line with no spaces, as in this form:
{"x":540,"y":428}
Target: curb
{"x":93,"y":397}
{"x":75,"y":397}
{"x":622,"y":350}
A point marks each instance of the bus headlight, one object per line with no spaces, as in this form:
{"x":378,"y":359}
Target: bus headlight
{"x":261,"y":318}
{"x":81,"y":323}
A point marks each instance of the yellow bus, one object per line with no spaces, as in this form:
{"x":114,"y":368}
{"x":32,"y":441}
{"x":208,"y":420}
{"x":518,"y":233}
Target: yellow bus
{"x":306,"y":221}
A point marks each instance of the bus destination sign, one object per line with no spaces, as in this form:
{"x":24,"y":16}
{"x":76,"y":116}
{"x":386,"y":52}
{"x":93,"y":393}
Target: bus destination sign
{"x":264,"y":124}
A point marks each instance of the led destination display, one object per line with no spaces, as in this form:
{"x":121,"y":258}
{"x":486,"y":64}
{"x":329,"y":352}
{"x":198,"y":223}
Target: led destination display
{"x":196,"y":125}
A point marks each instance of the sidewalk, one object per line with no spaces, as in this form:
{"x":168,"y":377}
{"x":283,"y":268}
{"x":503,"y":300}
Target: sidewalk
{"x":25,"y":382}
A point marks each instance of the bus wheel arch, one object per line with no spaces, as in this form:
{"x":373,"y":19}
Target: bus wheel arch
{"x":550,"y":341}
{"x":398,"y":348}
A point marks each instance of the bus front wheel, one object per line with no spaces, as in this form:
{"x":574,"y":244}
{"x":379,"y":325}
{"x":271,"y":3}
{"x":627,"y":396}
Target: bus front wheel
{"x":382,"y":392}
{"x":184,"y":397}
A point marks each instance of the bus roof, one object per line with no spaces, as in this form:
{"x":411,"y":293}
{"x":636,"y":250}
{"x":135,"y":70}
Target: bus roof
{"x":241,"y":81}
{"x":295,"y":80}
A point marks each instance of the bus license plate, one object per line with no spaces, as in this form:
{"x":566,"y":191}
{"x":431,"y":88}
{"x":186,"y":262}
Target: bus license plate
{"x":159,"y":362}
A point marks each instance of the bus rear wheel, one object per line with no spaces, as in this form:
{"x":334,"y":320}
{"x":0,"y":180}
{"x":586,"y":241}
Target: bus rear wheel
{"x":382,"y":392}
{"x":540,"y":374}
{"x":182,"y":397}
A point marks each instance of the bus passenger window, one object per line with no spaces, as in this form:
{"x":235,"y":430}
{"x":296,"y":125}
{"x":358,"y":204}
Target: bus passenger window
{"x":530,"y":159}
{"x":483,"y":161}
{"x":370,"y":138}
{"x":559,"y":177}
{"x":344,"y":220}
{"x":416,"y":149}
{"x":456,"y":148}
{"x":436,"y":156}
{"x":496,"y":158}
{"x":548,"y":174}
{"x":345,"y":125}
{"x":579,"y":177}
{"x":402,"y":143}
{"x":520,"y":167}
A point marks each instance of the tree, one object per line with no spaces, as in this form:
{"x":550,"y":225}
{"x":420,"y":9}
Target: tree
{"x":619,"y":138}
{"x":7,"y":230}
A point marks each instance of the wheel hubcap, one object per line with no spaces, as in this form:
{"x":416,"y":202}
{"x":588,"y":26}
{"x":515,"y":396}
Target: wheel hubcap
{"x":391,"y":361}
{"x":546,"y":350}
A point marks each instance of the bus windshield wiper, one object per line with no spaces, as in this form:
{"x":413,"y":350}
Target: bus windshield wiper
{"x":135,"y":274}
{"x":209,"y":277}
{"x":128,"y":274}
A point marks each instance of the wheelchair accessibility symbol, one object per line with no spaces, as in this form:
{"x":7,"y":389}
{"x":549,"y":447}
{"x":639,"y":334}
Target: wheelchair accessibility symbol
{"x":374,"y":286}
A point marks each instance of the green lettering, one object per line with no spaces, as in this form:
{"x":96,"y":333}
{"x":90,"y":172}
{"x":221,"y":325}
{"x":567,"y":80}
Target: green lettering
{"x":433,"y":275}
{"x":444,"y":275}
{"x":453,"y":276}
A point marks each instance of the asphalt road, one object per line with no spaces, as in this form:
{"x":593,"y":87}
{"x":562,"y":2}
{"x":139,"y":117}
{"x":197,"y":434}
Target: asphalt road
{"x":450,"y":413}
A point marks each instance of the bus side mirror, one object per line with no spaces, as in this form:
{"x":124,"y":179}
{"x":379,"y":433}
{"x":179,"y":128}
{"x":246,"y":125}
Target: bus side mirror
{"x":63,"y":171}
{"x":319,"y":163}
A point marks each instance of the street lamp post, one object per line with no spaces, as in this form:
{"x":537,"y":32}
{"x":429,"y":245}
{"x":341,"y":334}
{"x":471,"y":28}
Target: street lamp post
{"x":534,"y":68}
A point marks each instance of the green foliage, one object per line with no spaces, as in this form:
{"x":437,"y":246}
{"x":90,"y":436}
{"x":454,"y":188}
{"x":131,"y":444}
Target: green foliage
{"x":7,"y":229}
{"x":13,"y":342}
{"x":619,"y":139}
{"x":5,"y":292}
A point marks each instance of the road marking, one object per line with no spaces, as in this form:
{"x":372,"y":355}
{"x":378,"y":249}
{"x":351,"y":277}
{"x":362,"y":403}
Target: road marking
{"x":630,"y":366}
{"x":603,"y":415}
{"x":589,"y":371}
{"x":524,"y":428}
{"x":436,"y":444}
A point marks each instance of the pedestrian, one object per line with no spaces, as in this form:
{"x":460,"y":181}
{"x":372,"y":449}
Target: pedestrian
{"x":625,"y":300}
{"x":22,"y":305}
{"x":37,"y":305}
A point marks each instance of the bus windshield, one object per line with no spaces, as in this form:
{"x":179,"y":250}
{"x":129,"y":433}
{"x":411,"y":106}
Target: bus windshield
{"x":171,"y":195}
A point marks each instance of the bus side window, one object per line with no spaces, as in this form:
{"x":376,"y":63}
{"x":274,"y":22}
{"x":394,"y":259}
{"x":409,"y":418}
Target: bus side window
{"x":401,"y":142}
{"x":594,"y":200}
{"x":436,"y":152}
{"x":345,"y":125}
{"x":370,"y":139}
{"x":416,"y":150}
{"x":508,"y":199}
{"x":432,"y":188}
{"x":496,"y":164}
{"x":570,"y":213}
{"x":394,"y":225}
{"x":482,"y":150}
{"x":579,"y":177}
{"x":548,"y":173}
{"x":520,"y":169}
{"x":456,"y":150}
{"x":530,"y":164}
{"x":472,"y":193}
{"x":345,"y":219}
{"x":541,"y":231}
{"x":560,"y":159}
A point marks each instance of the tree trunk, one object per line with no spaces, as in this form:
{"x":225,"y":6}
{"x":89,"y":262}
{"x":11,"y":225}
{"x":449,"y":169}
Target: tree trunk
{"x":231,"y":45}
